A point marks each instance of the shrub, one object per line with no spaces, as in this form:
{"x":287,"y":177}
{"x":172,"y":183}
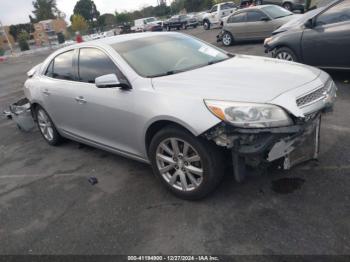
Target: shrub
{"x":60,"y":38}
{"x":22,"y":41}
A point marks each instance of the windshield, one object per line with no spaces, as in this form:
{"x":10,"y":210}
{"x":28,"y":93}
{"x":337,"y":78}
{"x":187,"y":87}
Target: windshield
{"x":161,"y":55}
{"x":149,"y":20}
{"x":276,"y":11}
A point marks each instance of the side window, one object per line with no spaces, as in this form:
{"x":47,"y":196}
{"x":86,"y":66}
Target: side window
{"x":227,"y":6}
{"x":214,"y":9}
{"x":336,"y":14}
{"x":94,"y":63}
{"x":255,"y":16}
{"x":62,"y":66}
{"x":49,"y":70}
{"x":237,"y":18}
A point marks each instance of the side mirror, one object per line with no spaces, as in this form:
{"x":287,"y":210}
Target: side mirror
{"x":111,"y":80}
{"x":309,"y":24}
{"x":265,"y":19}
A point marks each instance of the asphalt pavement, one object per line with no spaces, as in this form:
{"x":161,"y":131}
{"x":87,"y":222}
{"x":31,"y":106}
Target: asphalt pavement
{"x":47,"y":205}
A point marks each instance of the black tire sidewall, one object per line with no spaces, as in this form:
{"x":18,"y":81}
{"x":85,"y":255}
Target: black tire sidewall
{"x":57,"y":139}
{"x":289,"y":5}
{"x":210,"y":156}
{"x":287,"y":50}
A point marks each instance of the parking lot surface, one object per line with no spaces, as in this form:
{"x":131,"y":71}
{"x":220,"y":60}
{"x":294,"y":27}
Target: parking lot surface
{"x":47,"y":205}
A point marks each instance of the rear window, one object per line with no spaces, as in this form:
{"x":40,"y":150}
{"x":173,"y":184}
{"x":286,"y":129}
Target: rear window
{"x":61,"y":67}
{"x":276,"y":12}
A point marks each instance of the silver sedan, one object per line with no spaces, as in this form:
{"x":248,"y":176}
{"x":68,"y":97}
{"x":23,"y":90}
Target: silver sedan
{"x":184,"y":106}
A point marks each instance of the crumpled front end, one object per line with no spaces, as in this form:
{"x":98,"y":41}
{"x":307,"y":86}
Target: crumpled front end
{"x":291,"y":145}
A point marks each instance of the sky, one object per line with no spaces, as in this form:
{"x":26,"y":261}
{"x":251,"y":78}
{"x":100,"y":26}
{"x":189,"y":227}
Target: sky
{"x":18,"y":11}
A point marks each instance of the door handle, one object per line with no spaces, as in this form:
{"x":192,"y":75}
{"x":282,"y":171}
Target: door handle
{"x":46,"y":92}
{"x":80,"y":100}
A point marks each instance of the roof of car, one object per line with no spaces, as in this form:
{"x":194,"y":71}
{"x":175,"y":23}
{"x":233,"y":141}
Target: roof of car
{"x":256,"y":7}
{"x":121,"y":38}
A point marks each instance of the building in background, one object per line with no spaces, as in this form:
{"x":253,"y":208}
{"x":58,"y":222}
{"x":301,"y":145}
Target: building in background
{"x":4,"y":45}
{"x":45,"y":32}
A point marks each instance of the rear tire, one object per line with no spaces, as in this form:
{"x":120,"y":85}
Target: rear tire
{"x":190,"y":167}
{"x":284,"y":53}
{"x":47,"y":127}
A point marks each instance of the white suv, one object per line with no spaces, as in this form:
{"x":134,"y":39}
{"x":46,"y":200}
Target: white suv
{"x":217,"y":12}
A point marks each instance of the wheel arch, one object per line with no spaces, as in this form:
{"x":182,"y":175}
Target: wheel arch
{"x":289,"y":47}
{"x":34,"y":105}
{"x":159,"y":124}
{"x":288,"y":2}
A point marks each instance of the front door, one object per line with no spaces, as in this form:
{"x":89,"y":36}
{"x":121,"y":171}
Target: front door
{"x":327,"y":43}
{"x":105,"y":116}
{"x":214,"y":15}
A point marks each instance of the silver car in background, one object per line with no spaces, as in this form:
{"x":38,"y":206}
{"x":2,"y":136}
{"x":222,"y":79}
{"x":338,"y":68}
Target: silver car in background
{"x":189,"y":113}
{"x":254,"y":23}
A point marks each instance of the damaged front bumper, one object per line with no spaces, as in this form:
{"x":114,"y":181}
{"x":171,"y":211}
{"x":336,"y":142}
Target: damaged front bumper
{"x":255,"y":147}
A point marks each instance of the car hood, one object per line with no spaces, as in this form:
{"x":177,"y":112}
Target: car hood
{"x":241,"y":78}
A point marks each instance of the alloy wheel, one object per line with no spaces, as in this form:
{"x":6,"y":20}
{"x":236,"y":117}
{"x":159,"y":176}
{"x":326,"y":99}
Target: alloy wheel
{"x":227,"y":39}
{"x":284,"y":56}
{"x":287,"y":6}
{"x":179,"y":164}
{"x":45,"y":125}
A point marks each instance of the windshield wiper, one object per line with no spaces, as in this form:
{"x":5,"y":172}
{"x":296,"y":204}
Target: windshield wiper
{"x":168,"y":73}
{"x":172,"y":72}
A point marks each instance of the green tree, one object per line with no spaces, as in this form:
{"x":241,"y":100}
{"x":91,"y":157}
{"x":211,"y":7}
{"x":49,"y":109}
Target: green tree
{"x":109,"y":19}
{"x":16,"y":29}
{"x":23,"y":40}
{"x":124,"y":17}
{"x":79,"y":23}
{"x":44,"y":9}
{"x":87,"y":9}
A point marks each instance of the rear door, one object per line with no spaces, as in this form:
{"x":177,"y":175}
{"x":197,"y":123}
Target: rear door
{"x":59,"y":91}
{"x":327,"y":44}
{"x":259,"y":25}
{"x":236,"y":25}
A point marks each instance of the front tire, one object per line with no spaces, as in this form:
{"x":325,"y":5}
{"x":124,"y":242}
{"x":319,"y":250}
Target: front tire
{"x":47,"y":127}
{"x":287,"y":6}
{"x":285,"y":53}
{"x":206,"y":25}
{"x":188,"y":166}
{"x":227,"y":39}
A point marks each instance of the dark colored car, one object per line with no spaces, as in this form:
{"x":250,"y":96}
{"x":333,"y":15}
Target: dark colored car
{"x":319,"y":38}
{"x":153,"y":27}
{"x":180,"y":22}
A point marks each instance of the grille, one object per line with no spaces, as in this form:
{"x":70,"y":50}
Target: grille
{"x":315,"y":95}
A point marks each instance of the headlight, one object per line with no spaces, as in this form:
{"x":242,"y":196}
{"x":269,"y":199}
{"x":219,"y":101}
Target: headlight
{"x":249,"y":115}
{"x":267,"y":41}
